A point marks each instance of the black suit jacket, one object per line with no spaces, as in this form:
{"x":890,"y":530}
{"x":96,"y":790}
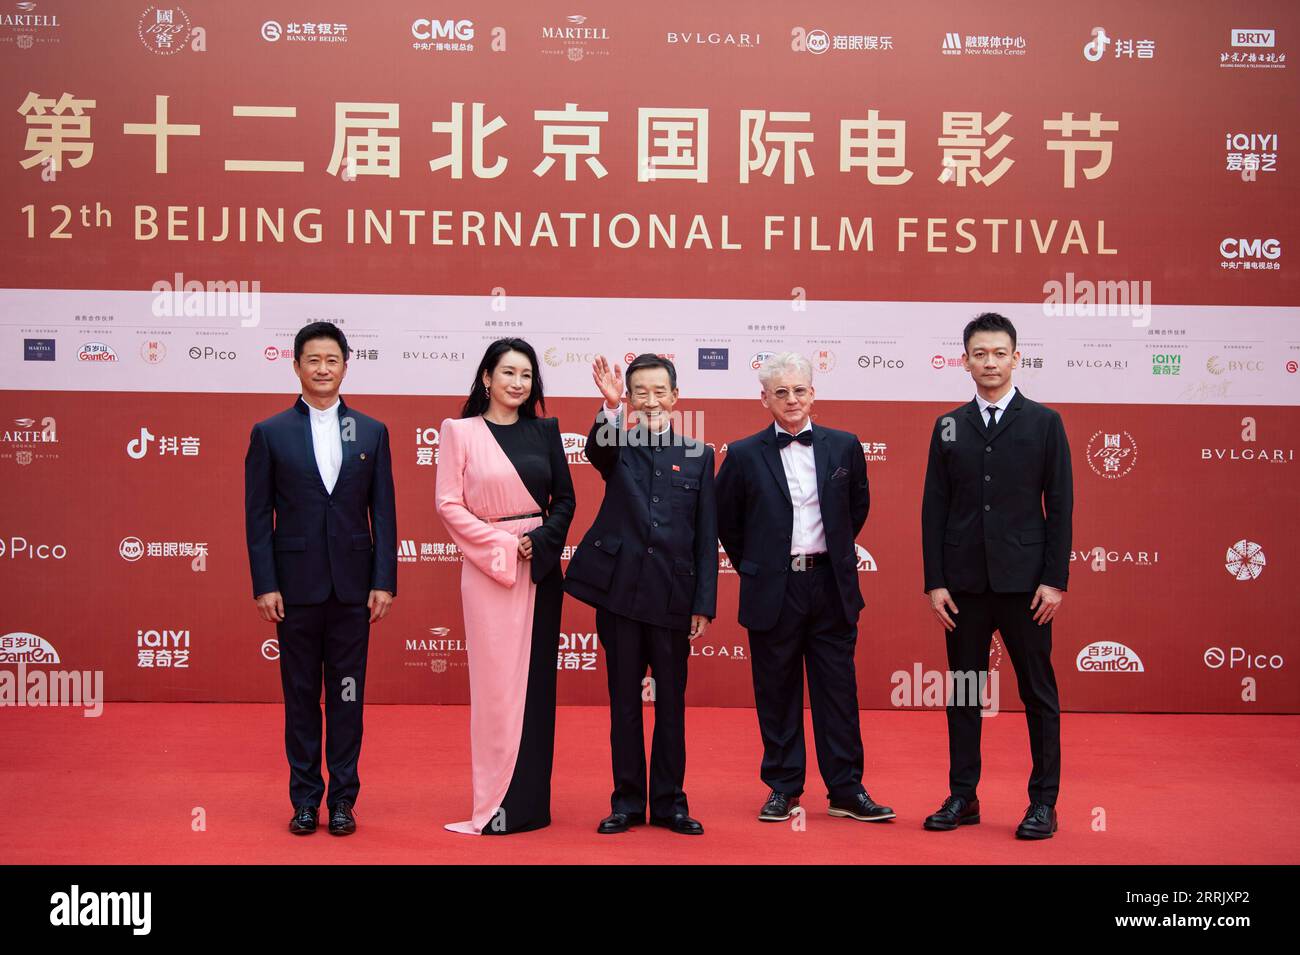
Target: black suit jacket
{"x":305,"y":542}
{"x":997,"y":508}
{"x":756,"y":519}
{"x":652,"y":552}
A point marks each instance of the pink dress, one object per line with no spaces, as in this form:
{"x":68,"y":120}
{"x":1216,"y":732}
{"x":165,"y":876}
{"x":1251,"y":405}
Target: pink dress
{"x":510,"y":658}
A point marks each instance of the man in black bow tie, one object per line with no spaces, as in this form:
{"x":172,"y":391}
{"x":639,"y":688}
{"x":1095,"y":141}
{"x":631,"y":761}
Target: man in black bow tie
{"x":791,"y":501}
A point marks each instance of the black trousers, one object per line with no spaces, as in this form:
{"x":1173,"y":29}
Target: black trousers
{"x":631,"y":646}
{"x":811,"y":631}
{"x":326,"y":640}
{"x":1030,"y":648}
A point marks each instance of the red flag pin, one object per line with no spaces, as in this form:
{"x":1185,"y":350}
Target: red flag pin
{"x":677,"y":467}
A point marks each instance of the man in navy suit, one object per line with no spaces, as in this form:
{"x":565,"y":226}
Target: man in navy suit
{"x":321,"y":520}
{"x":791,"y":500}
{"x":649,"y":565}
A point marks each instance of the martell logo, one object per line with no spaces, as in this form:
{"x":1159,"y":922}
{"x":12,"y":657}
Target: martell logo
{"x":1106,"y":656}
{"x":1112,"y":455}
{"x":576,"y":39}
{"x":713,"y":358}
{"x":1245,"y":560}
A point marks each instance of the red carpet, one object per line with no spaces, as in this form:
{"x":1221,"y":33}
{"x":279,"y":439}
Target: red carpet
{"x":122,"y":789}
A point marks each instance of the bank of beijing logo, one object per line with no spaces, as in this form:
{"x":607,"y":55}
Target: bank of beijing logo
{"x":1245,"y":560}
{"x":1112,"y":455}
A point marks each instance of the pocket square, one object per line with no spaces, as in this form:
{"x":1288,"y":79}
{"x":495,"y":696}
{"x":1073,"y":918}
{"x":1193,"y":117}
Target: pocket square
{"x":839,"y":473}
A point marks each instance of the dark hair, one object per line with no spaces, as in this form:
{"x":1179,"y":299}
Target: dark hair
{"x":642,"y":362}
{"x":988,"y":322}
{"x":320,"y":330}
{"x":478,"y":401}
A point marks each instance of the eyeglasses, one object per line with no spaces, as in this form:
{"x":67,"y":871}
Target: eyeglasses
{"x":800,"y":392}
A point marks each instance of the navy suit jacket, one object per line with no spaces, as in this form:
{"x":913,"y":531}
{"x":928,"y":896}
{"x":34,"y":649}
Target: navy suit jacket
{"x":756,"y":519}
{"x":652,"y":552}
{"x":306,"y":542}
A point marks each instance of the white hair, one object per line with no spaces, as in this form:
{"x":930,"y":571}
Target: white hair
{"x":783,"y":364}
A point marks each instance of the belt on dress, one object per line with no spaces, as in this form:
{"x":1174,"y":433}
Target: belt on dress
{"x":514,"y":517}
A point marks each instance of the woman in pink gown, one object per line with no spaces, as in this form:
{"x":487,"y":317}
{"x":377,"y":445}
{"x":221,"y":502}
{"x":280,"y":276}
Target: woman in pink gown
{"x":506,"y":496}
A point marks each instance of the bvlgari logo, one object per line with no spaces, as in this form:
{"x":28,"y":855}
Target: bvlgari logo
{"x":1247,"y":451}
{"x":714,"y":38}
{"x":1245,"y":560}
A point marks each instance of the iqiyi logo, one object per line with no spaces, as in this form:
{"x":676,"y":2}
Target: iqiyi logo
{"x":103,"y":908}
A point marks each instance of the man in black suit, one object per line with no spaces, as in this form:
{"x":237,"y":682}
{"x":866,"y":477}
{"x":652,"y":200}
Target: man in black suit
{"x":649,"y":565}
{"x":322,"y":545}
{"x":791,"y":500}
{"x":995,"y":531}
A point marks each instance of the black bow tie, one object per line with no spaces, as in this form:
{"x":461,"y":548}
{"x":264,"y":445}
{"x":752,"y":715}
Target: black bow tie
{"x":784,"y":438}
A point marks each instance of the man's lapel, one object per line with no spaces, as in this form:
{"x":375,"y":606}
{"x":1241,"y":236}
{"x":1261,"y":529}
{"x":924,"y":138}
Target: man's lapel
{"x":772,"y":455}
{"x":821,"y":458}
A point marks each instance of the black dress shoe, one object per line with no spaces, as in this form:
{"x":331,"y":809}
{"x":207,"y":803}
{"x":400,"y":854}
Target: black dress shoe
{"x":955,"y":811}
{"x":861,"y":807}
{"x":1039,"y":822}
{"x":778,"y":808}
{"x":304,"y":820}
{"x":619,"y":822}
{"x":680,"y":823}
{"x":342,"y":821}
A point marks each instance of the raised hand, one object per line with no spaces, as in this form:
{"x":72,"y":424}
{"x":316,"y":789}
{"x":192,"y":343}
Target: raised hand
{"x":608,"y":382}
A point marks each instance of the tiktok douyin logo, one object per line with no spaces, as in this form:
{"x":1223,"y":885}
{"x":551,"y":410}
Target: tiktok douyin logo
{"x":1245,"y":560}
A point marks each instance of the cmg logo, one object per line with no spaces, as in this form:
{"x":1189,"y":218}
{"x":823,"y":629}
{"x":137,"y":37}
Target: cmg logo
{"x":1250,"y":248}
{"x":443,"y":29}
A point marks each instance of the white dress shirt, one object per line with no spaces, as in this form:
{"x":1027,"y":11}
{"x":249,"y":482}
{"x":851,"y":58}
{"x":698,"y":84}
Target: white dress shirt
{"x":809,"y":536}
{"x":1002,"y":404}
{"x":327,"y":442}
